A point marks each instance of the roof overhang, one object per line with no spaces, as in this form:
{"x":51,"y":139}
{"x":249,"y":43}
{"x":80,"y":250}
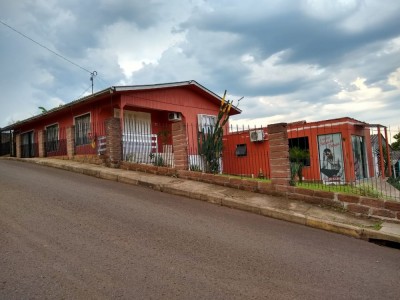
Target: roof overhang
{"x":121,"y":89}
{"x":85,"y":99}
{"x":189,"y":84}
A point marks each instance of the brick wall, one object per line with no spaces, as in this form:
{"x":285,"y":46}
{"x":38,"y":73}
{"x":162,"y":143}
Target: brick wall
{"x":18,"y":145}
{"x":70,"y":141}
{"x":357,"y":205}
{"x":114,"y":142}
{"x":179,"y":141}
{"x":41,"y":143}
{"x":279,"y":156}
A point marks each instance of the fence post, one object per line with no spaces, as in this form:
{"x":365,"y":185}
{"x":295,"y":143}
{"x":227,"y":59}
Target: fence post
{"x":41,"y":142}
{"x":279,"y":155}
{"x":113,"y":142}
{"x":18,"y":145}
{"x":70,"y":141}
{"x":179,"y":141}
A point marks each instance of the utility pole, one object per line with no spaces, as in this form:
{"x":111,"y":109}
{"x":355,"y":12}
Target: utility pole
{"x":92,"y":75}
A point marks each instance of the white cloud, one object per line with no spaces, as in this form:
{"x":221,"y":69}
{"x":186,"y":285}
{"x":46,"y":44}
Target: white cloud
{"x":135,"y":47}
{"x":394,"y":78}
{"x":291,"y":60}
{"x":272,"y":70}
{"x":327,"y":10}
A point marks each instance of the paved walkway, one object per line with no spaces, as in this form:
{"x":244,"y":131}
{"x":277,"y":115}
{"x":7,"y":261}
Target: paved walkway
{"x":270,"y":206}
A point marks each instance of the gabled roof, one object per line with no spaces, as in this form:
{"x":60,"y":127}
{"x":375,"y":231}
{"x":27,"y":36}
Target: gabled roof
{"x":375,"y":140}
{"x":395,"y":156}
{"x":121,"y":89}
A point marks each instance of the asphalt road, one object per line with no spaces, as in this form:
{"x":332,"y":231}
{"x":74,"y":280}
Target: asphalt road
{"x":67,"y":235}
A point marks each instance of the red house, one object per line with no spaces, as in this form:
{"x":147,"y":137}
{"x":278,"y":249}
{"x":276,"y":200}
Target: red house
{"x":339,"y":150}
{"x":155,"y":123}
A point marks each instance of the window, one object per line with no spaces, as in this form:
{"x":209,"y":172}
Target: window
{"x":299,"y":150}
{"x":52,"y":138}
{"x":241,"y":150}
{"x":206,"y":122}
{"x":82,"y":129}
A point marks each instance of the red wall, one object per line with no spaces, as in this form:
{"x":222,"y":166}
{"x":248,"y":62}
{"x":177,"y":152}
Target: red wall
{"x":188,"y":101}
{"x":257,"y":152}
{"x":255,"y":163}
{"x":183,"y":100}
{"x":100,"y":111}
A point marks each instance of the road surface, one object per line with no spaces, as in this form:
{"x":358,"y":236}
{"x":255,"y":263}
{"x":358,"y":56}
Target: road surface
{"x":67,"y":235}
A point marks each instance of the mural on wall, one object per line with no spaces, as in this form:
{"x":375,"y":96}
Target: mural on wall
{"x":331,"y":158}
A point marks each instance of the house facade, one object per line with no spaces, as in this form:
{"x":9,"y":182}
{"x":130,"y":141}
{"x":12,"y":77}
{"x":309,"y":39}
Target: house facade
{"x":153,"y":120}
{"x":338,"y":150}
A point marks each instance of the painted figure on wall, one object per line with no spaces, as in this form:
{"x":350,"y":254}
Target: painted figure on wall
{"x":331,"y":158}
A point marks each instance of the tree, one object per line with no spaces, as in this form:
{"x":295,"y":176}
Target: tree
{"x":42,"y":109}
{"x":396,"y":145}
{"x":210,"y":138}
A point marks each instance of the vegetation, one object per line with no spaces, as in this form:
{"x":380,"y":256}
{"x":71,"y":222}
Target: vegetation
{"x":210,"y":138}
{"x":195,"y":168}
{"x":394,"y":182}
{"x":361,"y":190}
{"x":297,"y":157}
{"x":164,"y":135}
{"x":157,"y":160}
{"x":42,"y":109}
{"x":396,"y":145}
{"x":247,"y":178}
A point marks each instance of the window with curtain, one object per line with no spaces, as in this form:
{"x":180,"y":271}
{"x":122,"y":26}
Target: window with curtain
{"x":82,"y":129}
{"x":52,"y":138}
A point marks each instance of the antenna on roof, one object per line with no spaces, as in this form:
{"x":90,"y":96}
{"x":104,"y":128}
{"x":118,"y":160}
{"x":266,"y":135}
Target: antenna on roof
{"x":92,"y":75}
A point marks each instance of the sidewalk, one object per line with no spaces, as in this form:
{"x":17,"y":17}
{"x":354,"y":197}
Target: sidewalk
{"x":270,"y":206}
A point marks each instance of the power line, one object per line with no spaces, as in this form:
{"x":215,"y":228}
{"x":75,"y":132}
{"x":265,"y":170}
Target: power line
{"x":43,"y":46}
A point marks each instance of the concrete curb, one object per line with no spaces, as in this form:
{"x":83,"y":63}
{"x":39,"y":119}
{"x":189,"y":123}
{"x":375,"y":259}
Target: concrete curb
{"x":379,"y":235}
{"x":280,"y":214}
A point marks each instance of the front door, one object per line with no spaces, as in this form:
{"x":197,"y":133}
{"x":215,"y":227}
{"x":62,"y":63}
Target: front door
{"x":27,"y":144}
{"x":138,"y":140}
{"x":359,"y":157}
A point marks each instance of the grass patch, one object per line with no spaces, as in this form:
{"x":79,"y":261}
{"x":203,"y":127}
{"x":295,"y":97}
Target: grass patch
{"x":360,"y":190}
{"x":246,"y":178}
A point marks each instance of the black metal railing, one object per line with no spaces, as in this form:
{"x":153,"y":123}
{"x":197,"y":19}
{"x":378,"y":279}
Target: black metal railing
{"x":242,"y":153}
{"x":29,"y":150}
{"x":90,"y":138}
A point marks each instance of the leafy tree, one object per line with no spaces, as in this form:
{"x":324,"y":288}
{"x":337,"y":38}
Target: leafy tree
{"x":396,"y":145}
{"x":42,"y":109}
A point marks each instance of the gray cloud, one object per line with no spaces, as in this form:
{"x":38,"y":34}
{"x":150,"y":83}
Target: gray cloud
{"x":290,"y":60}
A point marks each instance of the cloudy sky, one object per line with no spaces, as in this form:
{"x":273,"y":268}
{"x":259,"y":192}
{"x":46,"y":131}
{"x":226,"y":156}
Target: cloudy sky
{"x":291,"y":60}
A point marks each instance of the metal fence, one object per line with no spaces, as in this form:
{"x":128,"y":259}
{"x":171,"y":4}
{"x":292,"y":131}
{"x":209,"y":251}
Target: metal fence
{"x":239,"y":153}
{"x":90,"y":138}
{"x":345,"y":156}
{"x":55,"y":141}
{"x":147,"y":143}
{"x":6,"y":143}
